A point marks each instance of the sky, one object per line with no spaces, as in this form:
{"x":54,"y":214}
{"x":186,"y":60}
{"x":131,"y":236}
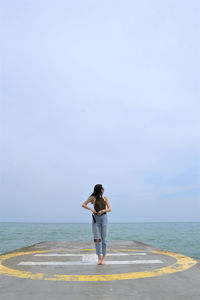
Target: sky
{"x":100,"y":92}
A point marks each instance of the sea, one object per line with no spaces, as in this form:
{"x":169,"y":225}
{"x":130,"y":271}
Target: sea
{"x":179,"y":237}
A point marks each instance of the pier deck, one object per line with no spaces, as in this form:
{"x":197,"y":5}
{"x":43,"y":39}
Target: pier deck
{"x":69,"y":270}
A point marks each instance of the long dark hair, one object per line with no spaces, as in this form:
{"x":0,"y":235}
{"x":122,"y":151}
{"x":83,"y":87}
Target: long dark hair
{"x":97,"y":191}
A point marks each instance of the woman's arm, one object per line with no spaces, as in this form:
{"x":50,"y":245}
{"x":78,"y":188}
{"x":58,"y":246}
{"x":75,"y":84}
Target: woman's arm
{"x":90,"y":199}
{"x":108,"y":209}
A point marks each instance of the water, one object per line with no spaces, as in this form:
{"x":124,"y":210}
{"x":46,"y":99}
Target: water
{"x":178,"y":237}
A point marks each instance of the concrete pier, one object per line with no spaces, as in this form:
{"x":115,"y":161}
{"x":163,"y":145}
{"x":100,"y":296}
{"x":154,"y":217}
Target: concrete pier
{"x":69,"y":270}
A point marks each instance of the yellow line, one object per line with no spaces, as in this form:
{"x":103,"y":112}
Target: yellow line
{"x":18,"y":273}
{"x":182,"y":263}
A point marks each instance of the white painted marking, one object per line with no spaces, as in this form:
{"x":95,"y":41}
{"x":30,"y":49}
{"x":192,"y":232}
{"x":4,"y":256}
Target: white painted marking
{"x":68,"y":263}
{"x":88,"y":259}
{"x":108,"y":254}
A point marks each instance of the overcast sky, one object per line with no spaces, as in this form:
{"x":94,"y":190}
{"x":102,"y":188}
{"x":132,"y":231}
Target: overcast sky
{"x":100,"y":92}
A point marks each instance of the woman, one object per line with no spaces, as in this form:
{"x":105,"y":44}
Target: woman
{"x":100,"y":220}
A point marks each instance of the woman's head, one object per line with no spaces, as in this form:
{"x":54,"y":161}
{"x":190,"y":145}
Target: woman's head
{"x":98,"y":190}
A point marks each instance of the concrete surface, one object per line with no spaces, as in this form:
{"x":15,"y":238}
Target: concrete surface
{"x":69,"y":270}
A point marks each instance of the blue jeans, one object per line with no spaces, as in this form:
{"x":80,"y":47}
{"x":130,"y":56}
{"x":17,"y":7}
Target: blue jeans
{"x":100,"y":230}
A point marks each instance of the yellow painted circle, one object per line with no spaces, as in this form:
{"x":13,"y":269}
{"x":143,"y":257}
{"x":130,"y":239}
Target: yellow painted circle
{"x":182,"y":263}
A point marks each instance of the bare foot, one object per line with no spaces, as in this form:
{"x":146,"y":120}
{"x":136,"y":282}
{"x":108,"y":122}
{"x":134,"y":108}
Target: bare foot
{"x":99,"y":260}
{"x":103,"y":261}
